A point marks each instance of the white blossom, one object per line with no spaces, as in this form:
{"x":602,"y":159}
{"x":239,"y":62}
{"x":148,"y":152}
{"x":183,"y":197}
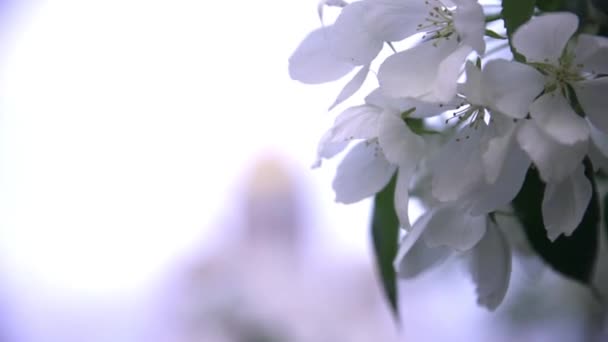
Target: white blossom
{"x":448,"y":230}
{"x":387,"y":146}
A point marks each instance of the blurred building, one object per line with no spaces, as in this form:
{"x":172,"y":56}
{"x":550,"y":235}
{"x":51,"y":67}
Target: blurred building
{"x":259,"y":287}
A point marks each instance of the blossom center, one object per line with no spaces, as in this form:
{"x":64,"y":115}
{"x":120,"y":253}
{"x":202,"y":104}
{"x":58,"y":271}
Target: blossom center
{"x":468,"y":114}
{"x":438,"y":23}
{"x":562,"y":74}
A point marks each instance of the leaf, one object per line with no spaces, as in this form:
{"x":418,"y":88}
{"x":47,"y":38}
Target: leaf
{"x":385,"y":235}
{"x":514,"y":14}
{"x":573,"y":256}
{"x":550,"y":5}
{"x":493,"y":34}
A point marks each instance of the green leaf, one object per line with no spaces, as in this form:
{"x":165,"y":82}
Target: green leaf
{"x":515,"y":13}
{"x":385,"y":235}
{"x":550,"y":5}
{"x":573,"y":256}
{"x":418,"y":126}
{"x":493,"y":34}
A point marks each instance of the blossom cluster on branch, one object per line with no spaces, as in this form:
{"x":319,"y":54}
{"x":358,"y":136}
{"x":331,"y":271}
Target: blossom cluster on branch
{"x":543,"y":109}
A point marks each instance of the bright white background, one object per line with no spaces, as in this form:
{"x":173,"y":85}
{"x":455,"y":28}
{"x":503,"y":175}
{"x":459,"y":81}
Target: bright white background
{"x":125,"y":125}
{"x":124,"y":128}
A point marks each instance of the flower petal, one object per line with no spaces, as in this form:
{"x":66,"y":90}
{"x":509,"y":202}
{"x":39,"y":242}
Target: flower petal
{"x":313,"y":62}
{"x":511,"y":87}
{"x":592,"y":97}
{"x":590,"y":52}
{"x":394,"y":20}
{"x":544,"y":38}
{"x":472,"y":88}
{"x":402,"y":196}
{"x":452,"y":227}
{"x":490,"y":197}
{"x":328,"y":148}
{"x":399,"y":105}
{"x":491,"y":268}
{"x":426,"y":72}
{"x":554,"y":161}
{"x":358,"y":122}
{"x":363,"y":172}
{"x":352,"y":86}
{"x":470,"y":24}
{"x":457,"y":167}
{"x":352,"y":41}
{"x":420,"y":258}
{"x":565,"y":203}
{"x":495,"y":152}
{"x":400,"y":145}
{"x":553,"y":114}
{"x":412,"y":237}
{"x":600,"y":139}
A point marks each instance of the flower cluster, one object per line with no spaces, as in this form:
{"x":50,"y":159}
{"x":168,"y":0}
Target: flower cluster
{"x":545,"y":109}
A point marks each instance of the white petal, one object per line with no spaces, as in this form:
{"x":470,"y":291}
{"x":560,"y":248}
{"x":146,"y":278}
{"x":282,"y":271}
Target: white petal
{"x":394,"y":20}
{"x":600,"y":139}
{"x":420,"y":109}
{"x":594,"y":101}
{"x":470,"y":24}
{"x":402,"y":196}
{"x":420,"y":258}
{"x":363,"y":172}
{"x":313,"y":62}
{"x":554,"y":161}
{"x":598,"y":159}
{"x":590,"y":52}
{"x":457,"y":167}
{"x":352,"y":86}
{"x":352,"y":41}
{"x":448,"y":72}
{"x":412,"y":237}
{"x":491,"y":268}
{"x":565,"y":203}
{"x":510,"y":87}
{"x":425,"y":72}
{"x":450,"y":226}
{"x":400,"y":145}
{"x":490,"y":197}
{"x":553,"y":114}
{"x":327,"y":148}
{"x":472,"y":88}
{"x":495,"y":152}
{"x":544,"y":38}
{"x":358,"y":122}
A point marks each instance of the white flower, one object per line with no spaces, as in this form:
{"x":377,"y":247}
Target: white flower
{"x":331,"y":52}
{"x":387,"y":146}
{"x":395,"y":20}
{"x":429,"y":71}
{"x":482,"y":167}
{"x":495,"y":151}
{"x":564,"y":62}
{"x":448,"y":230}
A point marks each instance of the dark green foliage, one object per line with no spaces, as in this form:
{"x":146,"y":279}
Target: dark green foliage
{"x":515,"y":13}
{"x":385,"y":235}
{"x":573,"y":256}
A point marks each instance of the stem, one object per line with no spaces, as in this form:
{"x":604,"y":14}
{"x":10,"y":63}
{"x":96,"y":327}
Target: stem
{"x":493,"y":17}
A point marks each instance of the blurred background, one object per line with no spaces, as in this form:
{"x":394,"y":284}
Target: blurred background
{"x":155,"y":185}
